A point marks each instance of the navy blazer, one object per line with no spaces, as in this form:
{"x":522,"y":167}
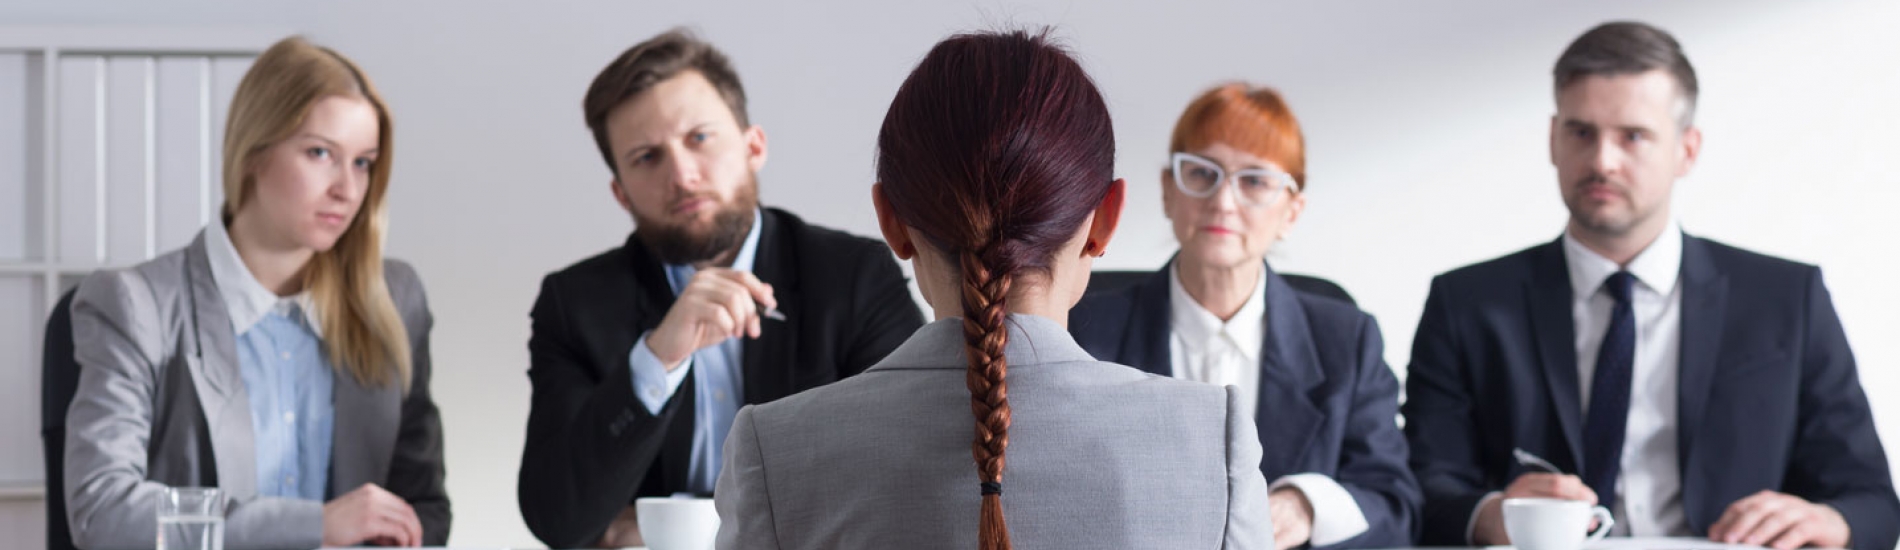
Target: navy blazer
{"x":1769,"y":398}
{"x":1328,"y":403}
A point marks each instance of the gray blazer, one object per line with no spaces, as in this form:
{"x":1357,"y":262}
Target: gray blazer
{"x":161,"y":403}
{"x":1100,"y":456}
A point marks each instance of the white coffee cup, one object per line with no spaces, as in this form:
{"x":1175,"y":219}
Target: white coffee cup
{"x":1552,"y":524}
{"x":673,"y":523}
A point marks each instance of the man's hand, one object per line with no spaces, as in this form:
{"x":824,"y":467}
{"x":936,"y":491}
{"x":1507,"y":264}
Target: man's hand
{"x":1292,"y":517}
{"x":623,"y":532}
{"x":1489,"y":529}
{"x":1781,"y":521}
{"x":716,"y":304}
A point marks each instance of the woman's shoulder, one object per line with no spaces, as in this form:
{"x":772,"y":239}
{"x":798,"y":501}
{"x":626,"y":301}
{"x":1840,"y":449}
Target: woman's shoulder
{"x":1326,"y":315}
{"x":397,"y":271}
{"x":134,"y":306}
{"x":405,"y":285}
{"x":142,"y":284}
{"x":1135,"y":384}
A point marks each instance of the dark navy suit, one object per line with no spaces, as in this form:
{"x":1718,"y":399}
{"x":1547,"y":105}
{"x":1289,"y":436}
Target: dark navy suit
{"x":1769,"y":397}
{"x":1328,"y":402}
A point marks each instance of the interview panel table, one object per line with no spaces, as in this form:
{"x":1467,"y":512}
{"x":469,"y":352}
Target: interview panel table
{"x":1611,"y":543}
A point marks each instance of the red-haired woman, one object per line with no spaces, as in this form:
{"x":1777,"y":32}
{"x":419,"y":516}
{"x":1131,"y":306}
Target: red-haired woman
{"x":995,"y":179}
{"x":1310,"y":368}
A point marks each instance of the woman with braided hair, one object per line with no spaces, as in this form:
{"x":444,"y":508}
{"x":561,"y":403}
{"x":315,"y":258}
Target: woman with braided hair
{"x":995,"y":180}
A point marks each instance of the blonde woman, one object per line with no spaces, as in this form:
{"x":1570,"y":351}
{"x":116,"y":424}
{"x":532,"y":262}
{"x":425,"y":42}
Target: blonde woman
{"x":278,"y":357}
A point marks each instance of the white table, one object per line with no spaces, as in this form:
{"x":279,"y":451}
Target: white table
{"x":1611,"y":543}
{"x":1631,"y":543}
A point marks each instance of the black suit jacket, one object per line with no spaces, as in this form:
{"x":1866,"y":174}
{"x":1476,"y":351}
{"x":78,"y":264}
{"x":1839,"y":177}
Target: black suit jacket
{"x":1328,"y":402}
{"x":1769,"y":398}
{"x":592,"y":447}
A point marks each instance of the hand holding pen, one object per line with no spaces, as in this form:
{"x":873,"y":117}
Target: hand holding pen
{"x":717,"y":304}
{"x":1543,"y":480}
{"x":1546,"y":481}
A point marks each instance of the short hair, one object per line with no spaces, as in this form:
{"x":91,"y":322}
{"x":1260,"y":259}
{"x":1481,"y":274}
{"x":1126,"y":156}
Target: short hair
{"x":1248,"y":118}
{"x":1625,"y":48}
{"x":648,"y":63}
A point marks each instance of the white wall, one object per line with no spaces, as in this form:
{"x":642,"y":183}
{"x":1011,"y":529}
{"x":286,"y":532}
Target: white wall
{"x":1426,"y":124}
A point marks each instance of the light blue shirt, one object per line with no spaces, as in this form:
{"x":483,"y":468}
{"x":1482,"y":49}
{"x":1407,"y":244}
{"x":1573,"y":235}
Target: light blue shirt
{"x":287,"y":376}
{"x":718,"y":378}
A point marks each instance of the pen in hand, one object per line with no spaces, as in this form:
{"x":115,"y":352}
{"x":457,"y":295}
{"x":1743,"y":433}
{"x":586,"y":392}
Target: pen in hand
{"x":1528,"y":460}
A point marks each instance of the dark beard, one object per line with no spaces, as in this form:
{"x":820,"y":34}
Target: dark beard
{"x":680,"y":245}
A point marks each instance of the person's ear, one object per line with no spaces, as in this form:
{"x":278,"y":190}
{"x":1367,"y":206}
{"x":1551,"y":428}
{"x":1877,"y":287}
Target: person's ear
{"x":1691,"y":149}
{"x":1295,"y":205}
{"x":1167,"y":195}
{"x":1552,"y":144}
{"x":1108,"y":215}
{"x":755,"y":147}
{"x":896,"y":234}
{"x":620,"y":195}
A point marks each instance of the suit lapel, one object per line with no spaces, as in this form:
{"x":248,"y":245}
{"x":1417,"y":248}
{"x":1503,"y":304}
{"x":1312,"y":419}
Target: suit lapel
{"x":363,"y":437}
{"x":1145,"y":336}
{"x":1286,"y":416}
{"x":676,"y":454}
{"x":212,"y":357}
{"x":767,"y":361}
{"x":652,"y":298}
{"x":1548,"y":295}
{"x":1704,"y":304}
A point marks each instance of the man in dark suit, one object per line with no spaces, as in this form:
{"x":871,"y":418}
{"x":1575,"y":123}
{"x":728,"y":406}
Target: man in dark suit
{"x":1694,"y":388}
{"x":641,"y":356}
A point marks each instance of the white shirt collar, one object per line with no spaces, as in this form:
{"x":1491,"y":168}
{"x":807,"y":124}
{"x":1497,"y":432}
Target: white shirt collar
{"x":246,"y":301}
{"x":1197,"y":326}
{"x":1656,"y":267}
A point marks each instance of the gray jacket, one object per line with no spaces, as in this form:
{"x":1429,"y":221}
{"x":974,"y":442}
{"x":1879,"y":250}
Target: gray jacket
{"x":161,"y":403}
{"x":1100,"y":456}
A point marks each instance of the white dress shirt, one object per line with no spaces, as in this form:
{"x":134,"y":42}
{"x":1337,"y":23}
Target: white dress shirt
{"x":246,"y":301}
{"x":1649,"y":480}
{"x":1649,"y":483}
{"x":1203,"y":348}
{"x":287,"y":376}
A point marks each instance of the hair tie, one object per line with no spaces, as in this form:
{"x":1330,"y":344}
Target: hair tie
{"x":992,"y":488}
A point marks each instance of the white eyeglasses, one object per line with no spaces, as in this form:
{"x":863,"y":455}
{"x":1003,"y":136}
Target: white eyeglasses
{"x":1200,"y":178}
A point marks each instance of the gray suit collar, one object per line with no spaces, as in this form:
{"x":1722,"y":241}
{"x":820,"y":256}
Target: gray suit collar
{"x":939,"y":345}
{"x":366,"y":417}
{"x":214,"y":368}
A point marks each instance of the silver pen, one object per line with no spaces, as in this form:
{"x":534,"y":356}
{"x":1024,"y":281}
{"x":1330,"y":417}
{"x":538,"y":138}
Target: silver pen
{"x":1528,"y":460}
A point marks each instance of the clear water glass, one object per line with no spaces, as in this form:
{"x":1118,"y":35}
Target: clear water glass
{"x":191,"y":518}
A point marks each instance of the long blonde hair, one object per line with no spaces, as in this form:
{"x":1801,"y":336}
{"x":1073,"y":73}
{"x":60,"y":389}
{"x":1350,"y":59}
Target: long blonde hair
{"x":362,"y":331}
